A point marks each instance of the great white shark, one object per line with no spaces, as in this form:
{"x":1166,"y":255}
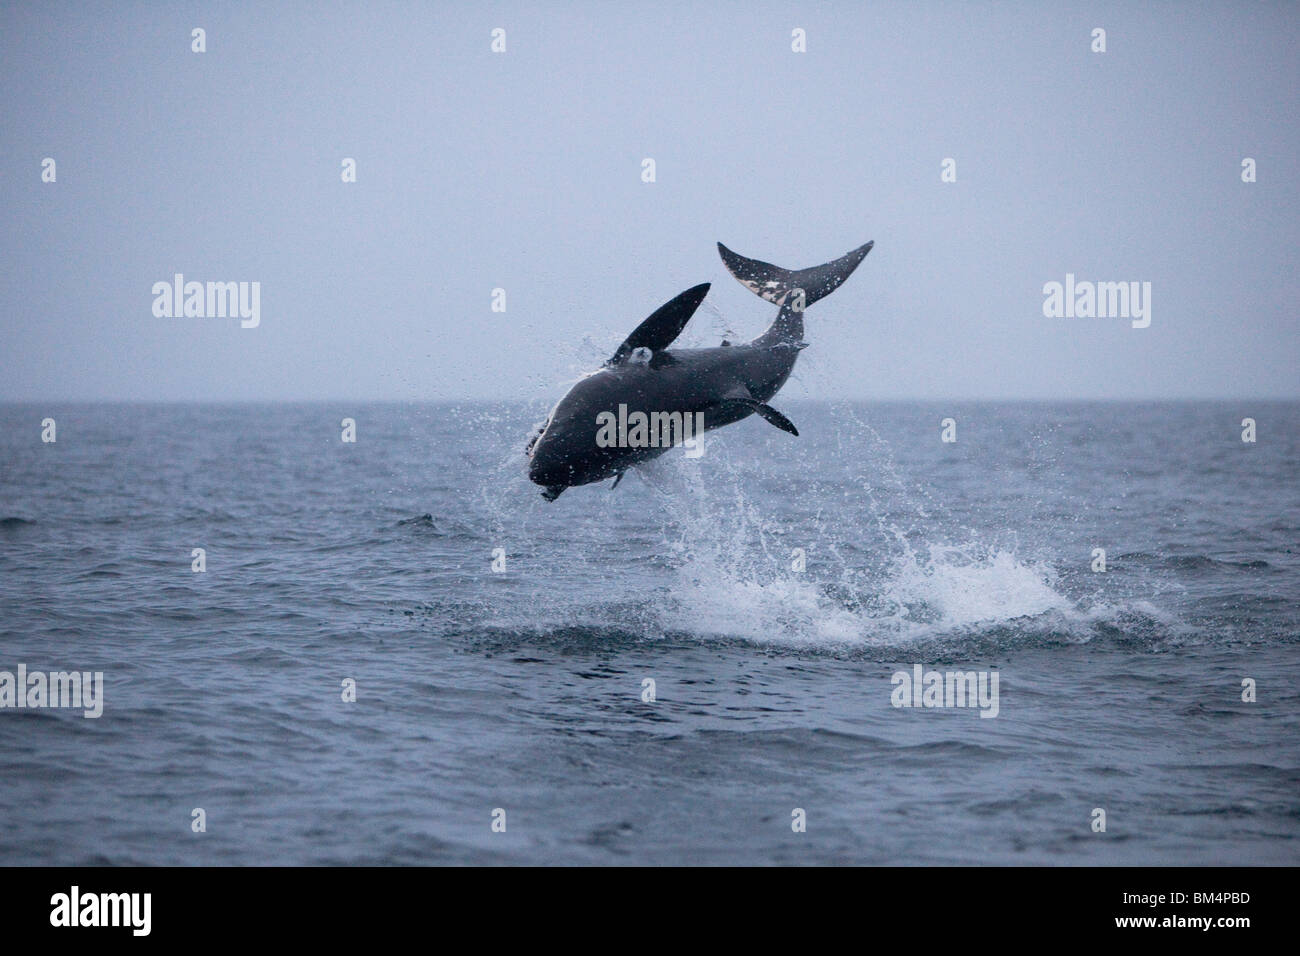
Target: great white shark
{"x":676,"y":388}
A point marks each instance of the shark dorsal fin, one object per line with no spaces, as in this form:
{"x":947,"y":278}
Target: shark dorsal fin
{"x":663,"y":326}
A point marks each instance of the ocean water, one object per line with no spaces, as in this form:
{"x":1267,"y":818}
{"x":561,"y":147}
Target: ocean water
{"x":521,"y":690}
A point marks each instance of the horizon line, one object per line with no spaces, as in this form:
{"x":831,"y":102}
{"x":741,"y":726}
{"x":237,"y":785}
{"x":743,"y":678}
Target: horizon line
{"x":793,"y":400}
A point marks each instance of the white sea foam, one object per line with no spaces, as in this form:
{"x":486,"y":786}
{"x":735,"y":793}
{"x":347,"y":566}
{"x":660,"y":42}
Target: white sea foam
{"x":945,"y":594}
{"x":734,"y":578}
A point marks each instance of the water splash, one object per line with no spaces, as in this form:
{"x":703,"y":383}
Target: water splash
{"x":707,"y":549}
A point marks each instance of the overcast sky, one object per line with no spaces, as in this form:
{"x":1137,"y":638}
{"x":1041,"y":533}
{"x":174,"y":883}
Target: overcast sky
{"x":523,"y":170}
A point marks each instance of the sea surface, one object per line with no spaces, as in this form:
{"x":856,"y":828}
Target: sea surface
{"x":521,"y":694}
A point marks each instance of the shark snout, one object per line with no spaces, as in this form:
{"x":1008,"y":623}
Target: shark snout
{"x":544,"y":470}
{"x":566,"y":454}
{"x":549,"y":462}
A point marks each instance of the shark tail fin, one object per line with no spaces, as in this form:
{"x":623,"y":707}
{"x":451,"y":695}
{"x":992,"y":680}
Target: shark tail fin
{"x":784,"y":286}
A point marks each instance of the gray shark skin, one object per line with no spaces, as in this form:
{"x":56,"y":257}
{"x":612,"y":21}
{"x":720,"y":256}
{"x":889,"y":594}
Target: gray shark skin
{"x":726,"y":384}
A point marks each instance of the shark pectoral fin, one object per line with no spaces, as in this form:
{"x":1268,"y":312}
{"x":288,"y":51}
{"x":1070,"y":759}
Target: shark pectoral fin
{"x":767,"y":412}
{"x":617,"y":479}
{"x":770,"y":414}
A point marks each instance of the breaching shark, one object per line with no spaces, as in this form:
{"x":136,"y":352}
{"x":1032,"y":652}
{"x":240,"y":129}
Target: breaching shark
{"x":669,"y":395}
